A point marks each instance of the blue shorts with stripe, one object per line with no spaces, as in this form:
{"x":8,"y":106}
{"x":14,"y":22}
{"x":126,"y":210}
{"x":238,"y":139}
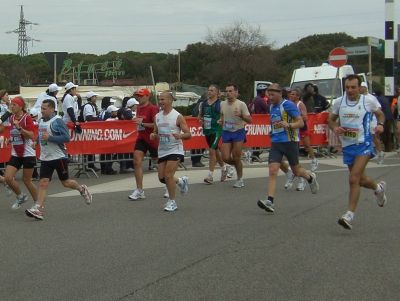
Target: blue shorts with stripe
{"x":352,"y":151}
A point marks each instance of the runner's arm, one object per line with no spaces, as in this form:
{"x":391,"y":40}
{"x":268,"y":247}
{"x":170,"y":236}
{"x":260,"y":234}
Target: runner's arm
{"x":58,"y":126}
{"x":181,"y":122}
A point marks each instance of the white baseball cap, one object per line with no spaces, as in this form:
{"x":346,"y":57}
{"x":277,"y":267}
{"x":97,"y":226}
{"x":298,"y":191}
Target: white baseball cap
{"x":364,"y":84}
{"x":90,"y":94}
{"x":54,"y":88}
{"x":112,"y":108}
{"x":69,"y":86}
{"x":34,"y":112}
{"x":131,"y":102}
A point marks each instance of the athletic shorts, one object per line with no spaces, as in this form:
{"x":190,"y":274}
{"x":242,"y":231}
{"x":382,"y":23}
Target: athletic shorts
{"x":352,"y":151}
{"x":213,"y":140}
{"x":60,"y":166}
{"x":172,"y":157}
{"x":26,"y":162}
{"x":237,"y":136}
{"x":145,"y":147}
{"x":288,"y":149}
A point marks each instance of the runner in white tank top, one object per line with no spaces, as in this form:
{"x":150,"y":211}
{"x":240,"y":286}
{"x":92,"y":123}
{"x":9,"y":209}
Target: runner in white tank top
{"x":350,"y":118}
{"x":170,"y":128}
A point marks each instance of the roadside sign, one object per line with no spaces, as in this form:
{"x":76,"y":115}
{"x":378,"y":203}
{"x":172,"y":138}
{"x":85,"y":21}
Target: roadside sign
{"x":357,"y":50}
{"x":337,"y":57}
{"x":374,"y":42}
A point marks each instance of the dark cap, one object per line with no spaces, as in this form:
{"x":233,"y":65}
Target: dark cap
{"x":275,"y":87}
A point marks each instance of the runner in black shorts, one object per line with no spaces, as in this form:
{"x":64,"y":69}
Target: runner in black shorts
{"x":145,"y":114}
{"x":22,"y":152}
{"x":53,"y":133}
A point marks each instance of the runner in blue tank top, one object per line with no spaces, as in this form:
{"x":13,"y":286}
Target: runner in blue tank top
{"x":285,"y":123}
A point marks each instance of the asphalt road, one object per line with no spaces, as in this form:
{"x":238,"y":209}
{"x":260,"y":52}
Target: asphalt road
{"x":218,"y":246}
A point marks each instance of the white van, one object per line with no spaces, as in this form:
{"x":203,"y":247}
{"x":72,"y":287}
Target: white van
{"x":324,"y":77}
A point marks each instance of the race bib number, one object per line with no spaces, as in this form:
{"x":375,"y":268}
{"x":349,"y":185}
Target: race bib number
{"x":229,"y":125}
{"x":207,"y":123}
{"x":165,"y":135}
{"x":15,"y":137}
{"x":275,"y":124}
{"x":351,"y":134}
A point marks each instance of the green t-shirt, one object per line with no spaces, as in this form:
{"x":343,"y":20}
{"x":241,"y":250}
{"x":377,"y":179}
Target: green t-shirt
{"x":211,"y":114}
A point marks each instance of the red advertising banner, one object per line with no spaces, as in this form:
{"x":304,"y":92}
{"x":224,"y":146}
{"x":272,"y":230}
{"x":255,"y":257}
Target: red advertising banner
{"x":258,"y":131}
{"x":107,"y":137}
{"x":103,"y":137}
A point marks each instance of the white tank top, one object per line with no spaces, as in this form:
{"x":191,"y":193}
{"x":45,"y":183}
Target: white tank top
{"x":166,"y":125}
{"x":49,"y":150}
{"x":355,"y":119}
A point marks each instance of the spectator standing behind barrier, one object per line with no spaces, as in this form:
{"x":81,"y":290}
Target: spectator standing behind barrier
{"x":315,"y":102}
{"x":106,"y":167}
{"x":50,"y":93}
{"x":125,"y":160}
{"x":395,"y":108}
{"x":4,"y":105}
{"x":70,"y":106}
{"x":145,"y":118}
{"x":53,"y":133}
{"x":170,"y":128}
{"x":260,"y":106}
{"x":285,"y":121}
{"x":36,"y":116}
{"x":387,"y":135}
{"x":22,"y":152}
{"x":88,"y":113}
{"x":234,"y":116}
{"x":196,"y":154}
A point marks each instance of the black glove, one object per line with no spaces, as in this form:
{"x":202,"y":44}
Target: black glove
{"x":78,"y":129}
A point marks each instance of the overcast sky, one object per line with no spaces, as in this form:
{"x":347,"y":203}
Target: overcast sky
{"x":100,"y":26}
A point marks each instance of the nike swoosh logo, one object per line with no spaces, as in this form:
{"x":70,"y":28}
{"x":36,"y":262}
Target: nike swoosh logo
{"x":126,"y":135}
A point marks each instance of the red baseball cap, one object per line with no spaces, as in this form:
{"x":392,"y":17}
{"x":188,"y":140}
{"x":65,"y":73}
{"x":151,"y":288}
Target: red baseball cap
{"x":143,"y":92}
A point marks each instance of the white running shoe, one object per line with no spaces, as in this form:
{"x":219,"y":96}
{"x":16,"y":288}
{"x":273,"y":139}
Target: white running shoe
{"x":87,"y":196}
{"x":36,"y":212}
{"x":239,"y":184}
{"x":137,"y":194}
{"x":231,"y":171}
{"x":267,"y":205}
{"x":346,"y":221}
{"x":19,"y":201}
{"x":314,"y":186}
{"x":314,"y":164}
{"x":301,"y":184}
{"x":289,"y":179}
{"x":183,"y":184}
{"x":381,"y":196}
{"x":170,"y":206}
{"x":166,"y":193}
